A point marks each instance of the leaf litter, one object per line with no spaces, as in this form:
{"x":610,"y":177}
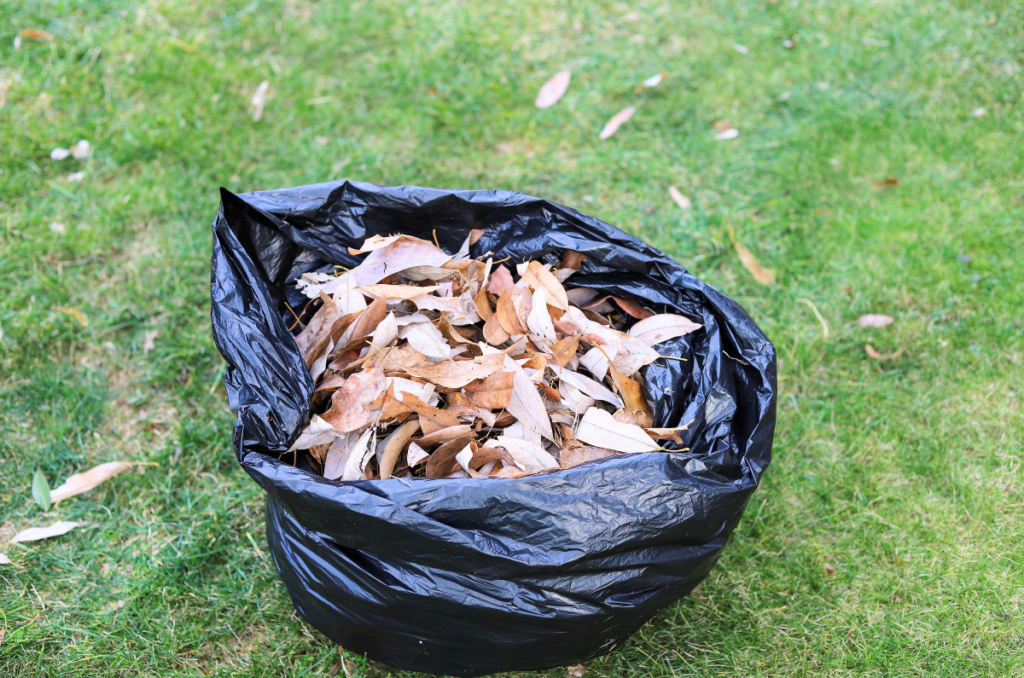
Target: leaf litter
{"x":440,"y":366}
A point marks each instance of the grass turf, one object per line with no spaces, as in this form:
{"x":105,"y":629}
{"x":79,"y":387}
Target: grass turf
{"x":886,"y":539}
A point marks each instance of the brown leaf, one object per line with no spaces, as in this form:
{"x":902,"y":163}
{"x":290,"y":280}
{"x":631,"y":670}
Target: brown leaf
{"x":475,"y":235}
{"x":365,"y":323}
{"x":443,"y":435}
{"x":443,"y":460}
{"x":394,"y":445}
{"x":396,"y":291}
{"x":397,"y":257}
{"x":35,"y":34}
{"x":83,"y":482}
{"x":483,"y":304}
{"x":616,"y":121}
{"x":563,"y":350}
{"x":448,"y":373}
{"x":493,"y":393}
{"x":431,"y":418}
{"x":872,"y":353}
{"x":37,"y":533}
{"x":149,"y":341}
{"x":874,"y":320}
{"x":633,"y":308}
{"x":600,"y":428}
{"x":888,"y":181}
{"x":539,"y":277}
{"x":352,"y":404}
{"x":679,"y":199}
{"x":577,"y":671}
{"x":662,"y":327}
{"x":426,"y":339}
{"x":494,"y":333}
{"x":508,"y":318}
{"x":501,"y":281}
{"x":761,"y":274}
{"x":453,"y":333}
{"x":575,"y":455}
{"x":572,"y":259}
{"x":74,"y":313}
{"x":668,"y":433}
{"x":508,"y":472}
{"x":552,"y":90}
{"x":632,"y":397}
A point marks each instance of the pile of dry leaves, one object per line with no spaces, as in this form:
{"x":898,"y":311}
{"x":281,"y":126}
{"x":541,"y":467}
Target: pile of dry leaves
{"x":428,"y":364}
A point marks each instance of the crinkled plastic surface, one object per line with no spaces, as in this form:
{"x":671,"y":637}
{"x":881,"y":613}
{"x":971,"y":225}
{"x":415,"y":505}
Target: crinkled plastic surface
{"x":470,"y":577}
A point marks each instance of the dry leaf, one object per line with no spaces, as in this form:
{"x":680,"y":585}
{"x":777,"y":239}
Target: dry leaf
{"x":404,"y":253}
{"x":874,"y":320}
{"x":393,"y":446}
{"x":580,"y":454}
{"x":149,"y":342}
{"x":352,"y":404}
{"x":872,"y":353}
{"x":600,"y":428}
{"x":443,"y":460}
{"x":337,"y":456}
{"x":633,"y":308}
{"x":760,"y":273}
{"x":358,"y":455}
{"x":529,"y":457}
{"x":74,"y":313}
{"x":539,"y":320}
{"x":577,"y":671}
{"x":415,"y":455}
{"x":616,"y":121}
{"x":662,"y":327}
{"x":493,"y":393}
{"x":679,"y":199}
{"x":537,"y":276}
{"x":587,"y":385}
{"x":500,"y":281}
{"x":4,"y":560}
{"x":396,"y":291}
{"x":81,"y":150}
{"x":668,"y":433}
{"x":35,"y":34}
{"x":37,"y":533}
{"x":727,"y":134}
{"x":552,"y":90}
{"x":888,"y":181}
{"x":83,"y":482}
{"x":374,"y":242}
{"x":432,"y":419}
{"x":508,"y":317}
{"x":633,"y":397}
{"x":655,"y":79}
{"x":449,"y":374}
{"x":317,"y":432}
{"x":426,"y":339}
{"x":259,"y":100}
{"x":443,"y":435}
{"x":526,"y":403}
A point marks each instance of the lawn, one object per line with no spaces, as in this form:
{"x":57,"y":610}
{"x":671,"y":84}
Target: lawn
{"x":887,"y":538}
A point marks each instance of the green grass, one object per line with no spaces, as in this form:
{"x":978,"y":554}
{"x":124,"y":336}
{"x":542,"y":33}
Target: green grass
{"x":888,"y":536}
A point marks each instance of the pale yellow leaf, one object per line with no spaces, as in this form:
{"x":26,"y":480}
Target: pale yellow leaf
{"x":600,"y":428}
{"x":679,"y":199}
{"x":662,"y":327}
{"x":874,"y":320}
{"x":616,"y":121}
{"x":37,"y":533}
{"x":552,"y":90}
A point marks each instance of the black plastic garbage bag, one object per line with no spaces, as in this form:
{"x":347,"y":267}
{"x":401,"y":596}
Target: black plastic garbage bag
{"x":469,"y":577}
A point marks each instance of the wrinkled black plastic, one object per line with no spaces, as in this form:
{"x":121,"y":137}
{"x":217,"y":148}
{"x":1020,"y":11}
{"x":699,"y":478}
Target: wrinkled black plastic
{"x":470,"y":577}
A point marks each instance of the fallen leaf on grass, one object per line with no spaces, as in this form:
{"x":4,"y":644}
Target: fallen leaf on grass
{"x":83,"y":482}
{"x":552,"y":90}
{"x":888,"y":181}
{"x":4,"y":560}
{"x":37,"y":533}
{"x":616,"y":121}
{"x":726,"y":135}
{"x":653,"y":81}
{"x":761,"y":274}
{"x":74,"y":313}
{"x":872,"y":353}
{"x":259,"y":100}
{"x":35,"y":34}
{"x":81,"y":150}
{"x":679,"y":199}
{"x":577,"y":671}
{"x":149,"y":341}
{"x":874,"y":320}
{"x":829,"y":569}
{"x":600,"y":428}
{"x":41,"y":490}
